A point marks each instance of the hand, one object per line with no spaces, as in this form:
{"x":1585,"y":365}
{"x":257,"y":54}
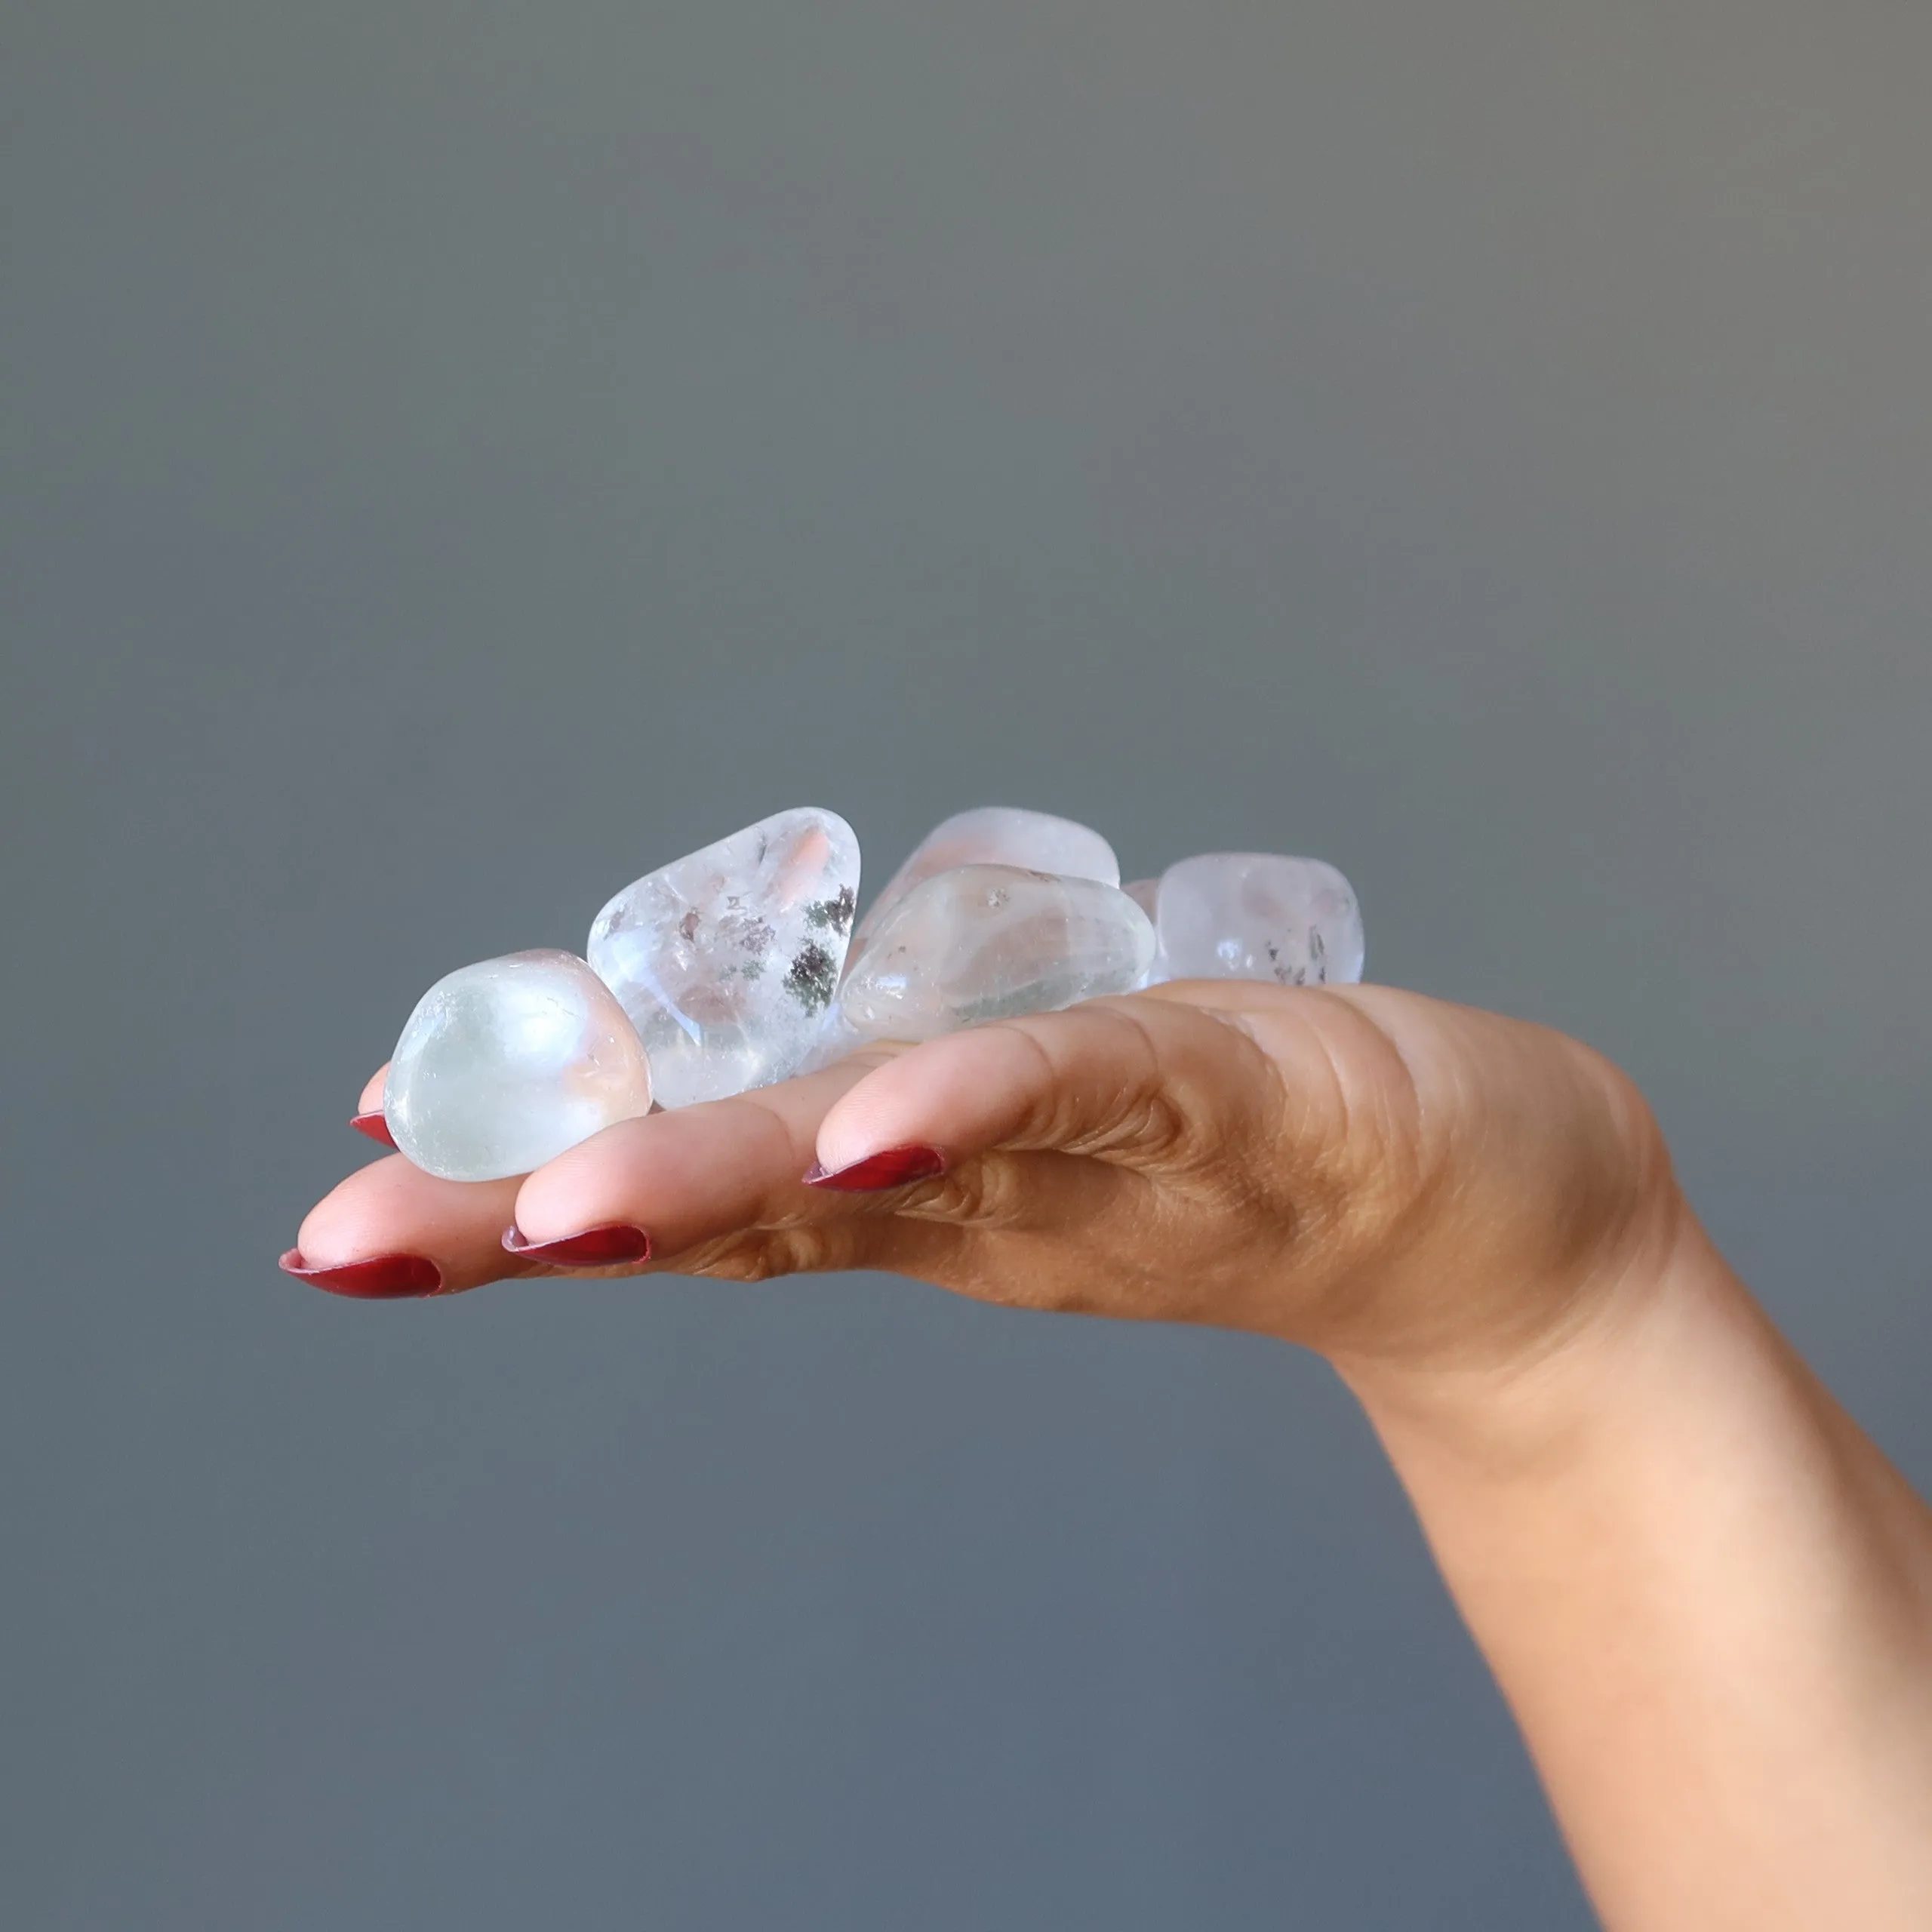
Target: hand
{"x":1378,"y":1176}
{"x":1706,"y":1595}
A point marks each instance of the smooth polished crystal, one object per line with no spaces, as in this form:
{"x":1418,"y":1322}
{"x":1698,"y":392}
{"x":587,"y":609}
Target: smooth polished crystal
{"x":1146,"y":893}
{"x":835,"y":1038}
{"x":991,"y":942}
{"x":1257,"y":915}
{"x":726,"y":960}
{"x":995,"y":836}
{"x":505,"y":1064}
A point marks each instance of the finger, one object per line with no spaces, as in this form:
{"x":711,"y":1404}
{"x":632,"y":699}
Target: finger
{"x":723,"y":1171}
{"x":1140,"y":1081}
{"x":391,"y":1230}
{"x":368,"y":1118}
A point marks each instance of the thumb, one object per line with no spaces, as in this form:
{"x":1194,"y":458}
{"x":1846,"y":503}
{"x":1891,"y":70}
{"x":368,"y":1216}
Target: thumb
{"x":1139,"y":1080}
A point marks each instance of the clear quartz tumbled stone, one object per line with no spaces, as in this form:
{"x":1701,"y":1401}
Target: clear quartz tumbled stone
{"x":991,"y":942}
{"x":1146,"y":893}
{"x":505,"y":1064}
{"x":726,"y":960}
{"x":1258,"y":915}
{"x":995,"y":836}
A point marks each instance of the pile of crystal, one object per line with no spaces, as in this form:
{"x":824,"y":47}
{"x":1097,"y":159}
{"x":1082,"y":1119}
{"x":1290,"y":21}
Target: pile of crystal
{"x":727,"y":970}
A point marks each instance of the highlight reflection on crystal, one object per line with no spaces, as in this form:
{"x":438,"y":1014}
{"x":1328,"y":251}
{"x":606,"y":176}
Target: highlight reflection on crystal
{"x":1258,"y":915}
{"x":727,"y":959}
{"x":505,"y":1064}
{"x":983,"y":943}
{"x":995,"y":836}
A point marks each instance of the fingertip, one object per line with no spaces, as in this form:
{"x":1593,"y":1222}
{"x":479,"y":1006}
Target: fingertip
{"x":589,"y":1186}
{"x":692,"y":1174}
{"x":391,"y":1207}
{"x":945,"y":1094}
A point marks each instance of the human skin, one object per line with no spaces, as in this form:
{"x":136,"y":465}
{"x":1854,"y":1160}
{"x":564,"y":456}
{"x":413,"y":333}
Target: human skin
{"x":1706,"y":1595}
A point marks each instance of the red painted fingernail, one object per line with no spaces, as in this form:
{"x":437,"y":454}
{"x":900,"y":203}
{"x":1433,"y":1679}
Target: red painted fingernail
{"x":893,"y":1167}
{"x":374,"y":1126}
{"x":381,"y":1278}
{"x":610,"y":1246}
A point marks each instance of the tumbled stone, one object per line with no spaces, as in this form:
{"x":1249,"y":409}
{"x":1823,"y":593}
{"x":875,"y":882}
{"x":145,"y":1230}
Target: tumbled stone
{"x":505,"y":1064}
{"x":1146,"y":893}
{"x":1257,"y":915}
{"x":995,"y":836}
{"x":727,"y":960}
{"x":982,"y":942}
{"x":836,"y":1037}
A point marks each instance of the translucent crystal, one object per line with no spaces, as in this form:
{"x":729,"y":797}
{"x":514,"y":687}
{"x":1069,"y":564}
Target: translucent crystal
{"x":1256,"y":915}
{"x":991,"y":942}
{"x":505,"y":1064}
{"x":836,"y":1038}
{"x":1146,"y":893}
{"x":995,"y":836}
{"x":727,"y":960}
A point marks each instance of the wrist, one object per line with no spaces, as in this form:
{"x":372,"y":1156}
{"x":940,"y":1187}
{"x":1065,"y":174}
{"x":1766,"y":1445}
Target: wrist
{"x":1705,"y":1595}
{"x":1540,"y":1389}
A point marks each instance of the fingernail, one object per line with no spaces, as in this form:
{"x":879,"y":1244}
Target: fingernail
{"x":374,"y":1126}
{"x":610,"y":1246}
{"x":381,"y":1278}
{"x":893,"y":1167}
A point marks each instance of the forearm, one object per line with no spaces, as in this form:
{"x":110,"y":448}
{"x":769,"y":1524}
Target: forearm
{"x":1707,"y":1598}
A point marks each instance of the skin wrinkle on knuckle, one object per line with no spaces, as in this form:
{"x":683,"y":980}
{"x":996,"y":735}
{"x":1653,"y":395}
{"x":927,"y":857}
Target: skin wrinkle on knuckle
{"x":1139,"y":1123}
{"x":1327,"y":1189}
{"x":1384,"y":1158}
{"x":1262,"y":1117}
{"x":765,"y":1254}
{"x":923,"y":1237}
{"x":1042,"y":1121}
{"x":1154,"y":1126}
{"x":985,"y":1196}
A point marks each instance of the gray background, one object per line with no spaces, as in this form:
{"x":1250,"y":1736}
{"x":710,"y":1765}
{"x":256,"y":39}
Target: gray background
{"x":455,"y":458}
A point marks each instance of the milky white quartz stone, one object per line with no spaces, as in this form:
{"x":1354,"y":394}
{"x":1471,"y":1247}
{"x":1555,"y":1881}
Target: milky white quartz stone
{"x":505,"y":1064}
{"x":995,"y":836}
{"x":727,"y":960}
{"x":1256,"y":915}
{"x":991,"y":942}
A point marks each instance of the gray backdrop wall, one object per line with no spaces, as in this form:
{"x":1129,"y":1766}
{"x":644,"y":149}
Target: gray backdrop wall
{"x":456,"y":456}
